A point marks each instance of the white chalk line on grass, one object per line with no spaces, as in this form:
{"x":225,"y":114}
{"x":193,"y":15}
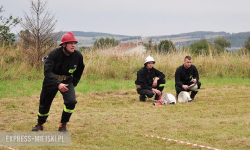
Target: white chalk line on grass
{"x":181,"y":142}
{"x":7,"y":147}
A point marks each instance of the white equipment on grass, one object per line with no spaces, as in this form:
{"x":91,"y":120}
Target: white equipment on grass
{"x":168,"y":98}
{"x":184,"y":97}
{"x":193,"y":87}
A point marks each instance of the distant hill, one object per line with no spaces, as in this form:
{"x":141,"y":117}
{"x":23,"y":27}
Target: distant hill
{"x":95,"y":34}
{"x":236,"y":39}
{"x":183,"y":39}
{"x":197,"y":34}
{"x":88,"y":38}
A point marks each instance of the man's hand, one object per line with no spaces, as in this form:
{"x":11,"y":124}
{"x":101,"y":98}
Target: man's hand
{"x":185,"y":87}
{"x":155,"y":82}
{"x":63,"y":87}
{"x":194,"y":80}
{"x":157,"y":91}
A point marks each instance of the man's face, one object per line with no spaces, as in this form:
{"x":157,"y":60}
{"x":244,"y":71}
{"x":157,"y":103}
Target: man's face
{"x":187,"y":63}
{"x":70,"y":46}
{"x":150,"y":65}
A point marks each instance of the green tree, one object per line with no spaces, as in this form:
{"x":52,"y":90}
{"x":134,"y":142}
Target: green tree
{"x":221,"y":43}
{"x":166,"y":46}
{"x":200,"y":47}
{"x":247,"y":44}
{"x":105,"y":43}
{"x":5,"y":25}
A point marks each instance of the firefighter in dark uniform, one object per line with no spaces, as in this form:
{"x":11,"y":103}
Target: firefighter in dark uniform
{"x":186,"y":75}
{"x":149,"y":81}
{"x":63,"y":69}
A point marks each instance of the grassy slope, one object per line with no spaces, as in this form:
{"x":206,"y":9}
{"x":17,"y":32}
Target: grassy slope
{"x":112,"y":117}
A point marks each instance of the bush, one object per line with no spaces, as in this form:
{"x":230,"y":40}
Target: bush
{"x":105,"y":43}
{"x":200,"y":47}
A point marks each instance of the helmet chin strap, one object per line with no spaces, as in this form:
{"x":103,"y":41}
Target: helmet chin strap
{"x":67,"y":51}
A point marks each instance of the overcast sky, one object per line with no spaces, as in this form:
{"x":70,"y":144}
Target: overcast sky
{"x":142,"y":17}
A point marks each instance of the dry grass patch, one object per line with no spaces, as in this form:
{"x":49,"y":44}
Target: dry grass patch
{"x":218,"y":117}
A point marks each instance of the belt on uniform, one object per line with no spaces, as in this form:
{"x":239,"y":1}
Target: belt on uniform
{"x":60,"y":77}
{"x":138,"y":86}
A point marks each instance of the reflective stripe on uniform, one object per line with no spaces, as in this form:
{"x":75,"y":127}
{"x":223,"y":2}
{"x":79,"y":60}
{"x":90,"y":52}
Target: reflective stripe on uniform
{"x":72,"y":70}
{"x":68,"y":110}
{"x":43,"y":115}
{"x":161,"y":85}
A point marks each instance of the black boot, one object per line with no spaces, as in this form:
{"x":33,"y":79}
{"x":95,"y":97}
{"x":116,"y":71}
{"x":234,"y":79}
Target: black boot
{"x":38,"y":127}
{"x":193,"y":93}
{"x":142,"y":98}
{"x":62,"y":127}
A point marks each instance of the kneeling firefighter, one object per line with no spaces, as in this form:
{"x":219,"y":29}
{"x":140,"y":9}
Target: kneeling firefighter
{"x":149,"y":81}
{"x":63,"y":69}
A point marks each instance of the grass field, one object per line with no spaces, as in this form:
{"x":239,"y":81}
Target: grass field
{"x":109,"y":115}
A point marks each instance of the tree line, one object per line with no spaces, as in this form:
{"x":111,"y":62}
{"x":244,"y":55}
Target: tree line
{"x":203,"y":46}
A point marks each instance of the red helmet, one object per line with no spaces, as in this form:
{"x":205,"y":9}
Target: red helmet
{"x":68,"y":37}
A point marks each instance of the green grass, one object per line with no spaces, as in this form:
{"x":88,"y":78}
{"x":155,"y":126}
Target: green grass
{"x":25,"y":87}
{"x":86,"y":86}
{"x":108,"y":114}
{"x":21,"y":88}
{"x":112,"y":117}
{"x":224,"y":81}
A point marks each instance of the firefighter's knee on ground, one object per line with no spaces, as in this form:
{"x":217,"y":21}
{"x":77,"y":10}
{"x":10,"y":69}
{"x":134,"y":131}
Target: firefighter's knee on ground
{"x":150,"y":95}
